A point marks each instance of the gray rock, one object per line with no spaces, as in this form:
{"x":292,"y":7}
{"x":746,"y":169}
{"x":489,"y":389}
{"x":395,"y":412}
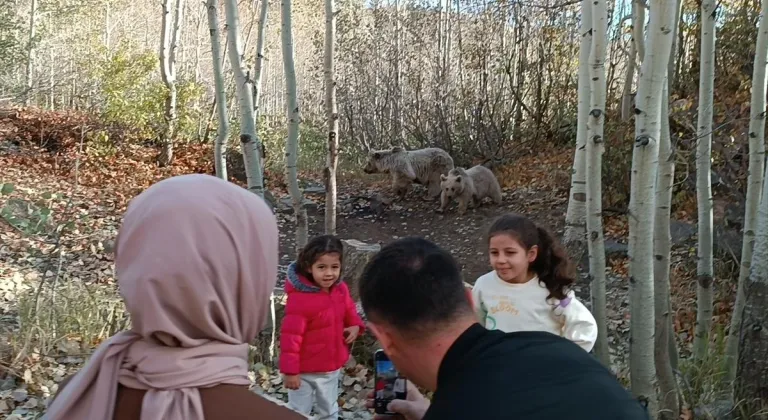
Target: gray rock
{"x":717,"y":410}
{"x":8,"y":383}
{"x":20,"y":395}
{"x":356,"y":256}
{"x":681,"y":231}
{"x":285,"y":205}
{"x":314,"y":189}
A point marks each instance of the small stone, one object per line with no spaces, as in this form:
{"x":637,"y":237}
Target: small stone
{"x":3,"y":406}
{"x":31,"y":403}
{"x":20,"y":395}
{"x":348,"y":380}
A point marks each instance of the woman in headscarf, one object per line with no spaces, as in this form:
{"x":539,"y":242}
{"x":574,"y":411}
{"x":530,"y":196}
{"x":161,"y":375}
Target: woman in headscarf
{"x":196,"y":260}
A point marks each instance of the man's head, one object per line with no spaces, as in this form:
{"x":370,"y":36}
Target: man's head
{"x":416,"y":304}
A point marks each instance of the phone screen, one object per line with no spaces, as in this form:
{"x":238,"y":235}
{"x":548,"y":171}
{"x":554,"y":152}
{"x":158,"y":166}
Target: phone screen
{"x":389,"y":384}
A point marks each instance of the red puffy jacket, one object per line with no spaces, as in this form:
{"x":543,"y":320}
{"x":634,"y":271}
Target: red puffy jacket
{"x":312,"y":331}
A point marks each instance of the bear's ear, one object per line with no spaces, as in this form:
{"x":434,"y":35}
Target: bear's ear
{"x":443,"y":177}
{"x":397,"y":149}
{"x":377,"y":155}
{"x":458,"y":179}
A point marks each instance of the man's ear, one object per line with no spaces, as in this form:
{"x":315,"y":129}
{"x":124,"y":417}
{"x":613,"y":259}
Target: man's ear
{"x":383,"y":336}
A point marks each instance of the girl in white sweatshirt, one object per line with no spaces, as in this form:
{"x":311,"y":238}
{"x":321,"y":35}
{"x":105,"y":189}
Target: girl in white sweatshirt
{"x":529,"y":287}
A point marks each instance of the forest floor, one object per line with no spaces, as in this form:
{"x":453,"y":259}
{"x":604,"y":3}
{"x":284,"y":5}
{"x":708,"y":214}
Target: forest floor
{"x":63,"y":199}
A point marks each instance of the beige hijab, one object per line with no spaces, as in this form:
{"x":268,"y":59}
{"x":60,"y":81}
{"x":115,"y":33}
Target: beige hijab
{"x":196,"y":260}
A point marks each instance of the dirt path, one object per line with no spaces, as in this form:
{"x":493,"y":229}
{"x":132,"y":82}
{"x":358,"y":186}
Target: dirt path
{"x":463,"y":236}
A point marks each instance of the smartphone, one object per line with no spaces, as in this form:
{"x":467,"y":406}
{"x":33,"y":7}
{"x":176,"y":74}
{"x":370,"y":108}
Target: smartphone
{"x":388,"y":383}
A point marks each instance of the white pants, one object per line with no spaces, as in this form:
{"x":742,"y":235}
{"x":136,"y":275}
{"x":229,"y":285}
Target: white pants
{"x":320,"y":390}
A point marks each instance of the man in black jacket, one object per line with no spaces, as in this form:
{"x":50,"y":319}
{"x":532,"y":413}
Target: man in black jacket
{"x":421,"y":313}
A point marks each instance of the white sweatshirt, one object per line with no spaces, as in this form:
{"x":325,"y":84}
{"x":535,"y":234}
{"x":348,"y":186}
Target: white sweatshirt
{"x":524,"y":307}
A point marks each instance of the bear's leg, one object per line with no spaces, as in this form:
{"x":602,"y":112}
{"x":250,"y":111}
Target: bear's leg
{"x":443,"y":202}
{"x":433,"y":188}
{"x":497,"y":195}
{"x":463,"y":204}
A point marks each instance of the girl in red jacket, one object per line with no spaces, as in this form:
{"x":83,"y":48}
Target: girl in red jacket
{"x":320,"y":321}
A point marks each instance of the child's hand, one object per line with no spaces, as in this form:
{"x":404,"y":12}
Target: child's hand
{"x":292,"y":381}
{"x":350,"y":333}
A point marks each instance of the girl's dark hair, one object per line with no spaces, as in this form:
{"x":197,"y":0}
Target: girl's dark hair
{"x":552,"y":264}
{"x":316,"y":248}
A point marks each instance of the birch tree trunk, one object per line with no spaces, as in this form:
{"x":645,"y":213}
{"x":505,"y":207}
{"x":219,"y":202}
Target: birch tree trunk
{"x":222,"y":133}
{"x":30,"y":54}
{"x":642,"y":200}
{"x":626,"y":95}
{"x":595,"y":147}
{"x":754,"y":186}
{"x":575,"y":234}
{"x":636,"y":51}
{"x":258,"y":67}
{"x":398,"y":103}
{"x":704,"y":181}
{"x":294,"y":117}
{"x":333,"y":117}
{"x":665,"y":348}
{"x":169,"y":45}
{"x":752,"y":369}
{"x":249,"y":140}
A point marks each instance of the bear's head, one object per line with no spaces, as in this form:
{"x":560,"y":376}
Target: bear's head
{"x":379,"y":161}
{"x":452,"y":184}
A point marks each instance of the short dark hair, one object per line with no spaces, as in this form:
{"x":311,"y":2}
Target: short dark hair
{"x":413,"y":285}
{"x":316,"y":248}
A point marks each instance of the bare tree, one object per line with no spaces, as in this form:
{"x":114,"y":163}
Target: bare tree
{"x":333,"y":118}
{"x":249,"y":140}
{"x":595,"y":147}
{"x":704,"y":268}
{"x":754,"y":187}
{"x":642,"y":199}
{"x":665,"y":347}
{"x":575,"y":217}
{"x":169,"y":45}
{"x":222,"y":133}
{"x":294,"y":118}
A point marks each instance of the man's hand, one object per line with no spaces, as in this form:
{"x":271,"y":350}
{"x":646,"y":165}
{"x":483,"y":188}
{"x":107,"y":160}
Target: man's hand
{"x":412,"y":408}
{"x":292,"y":381}
{"x":351,"y":333}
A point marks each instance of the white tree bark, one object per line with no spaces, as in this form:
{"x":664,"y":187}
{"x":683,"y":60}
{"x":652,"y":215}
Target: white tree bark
{"x":249,"y":140}
{"x":399,"y":134}
{"x":31,"y":54}
{"x":665,"y":347}
{"x":575,"y":235}
{"x":704,"y":269}
{"x":333,"y":118}
{"x":754,"y":187}
{"x":595,"y":148}
{"x":222,"y":133}
{"x":642,"y":200}
{"x":258,"y":67}
{"x":169,"y":46}
{"x":294,"y":117}
{"x":752,"y":369}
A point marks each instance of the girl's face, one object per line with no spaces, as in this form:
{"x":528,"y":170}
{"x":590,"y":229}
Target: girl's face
{"x":510,"y":259}
{"x":326,"y":269}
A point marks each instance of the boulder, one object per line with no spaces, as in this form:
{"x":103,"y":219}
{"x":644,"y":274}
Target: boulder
{"x":356,"y":257}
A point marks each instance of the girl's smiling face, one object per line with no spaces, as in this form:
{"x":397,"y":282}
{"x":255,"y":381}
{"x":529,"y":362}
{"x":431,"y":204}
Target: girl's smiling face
{"x":326,"y":269}
{"x":510,"y":259}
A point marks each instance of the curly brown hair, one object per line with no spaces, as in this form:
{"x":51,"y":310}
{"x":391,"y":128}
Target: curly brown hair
{"x":552,"y":264}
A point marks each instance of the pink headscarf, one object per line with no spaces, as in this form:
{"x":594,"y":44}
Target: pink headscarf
{"x":196,"y":261}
